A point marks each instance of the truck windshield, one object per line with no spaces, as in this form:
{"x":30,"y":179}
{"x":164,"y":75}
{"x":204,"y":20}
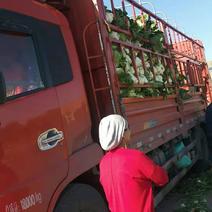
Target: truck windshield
{"x":18,"y":64}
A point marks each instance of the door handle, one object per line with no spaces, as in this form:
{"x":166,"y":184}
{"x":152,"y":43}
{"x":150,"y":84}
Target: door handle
{"x":49,"y":139}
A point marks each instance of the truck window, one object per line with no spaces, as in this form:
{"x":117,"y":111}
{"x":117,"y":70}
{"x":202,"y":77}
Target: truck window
{"x":18,"y":64}
{"x":36,"y":50}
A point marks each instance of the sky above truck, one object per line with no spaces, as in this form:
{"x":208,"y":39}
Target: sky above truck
{"x":191,"y":16}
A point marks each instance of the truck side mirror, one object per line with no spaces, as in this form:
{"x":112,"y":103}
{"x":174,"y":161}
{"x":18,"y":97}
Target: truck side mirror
{"x":2,"y":89}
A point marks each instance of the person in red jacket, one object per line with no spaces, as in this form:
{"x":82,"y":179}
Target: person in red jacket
{"x":126,"y":174}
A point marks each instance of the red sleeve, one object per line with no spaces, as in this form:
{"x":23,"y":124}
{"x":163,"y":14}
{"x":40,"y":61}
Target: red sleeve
{"x":153,"y":172}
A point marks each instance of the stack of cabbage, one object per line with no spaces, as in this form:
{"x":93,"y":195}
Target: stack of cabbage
{"x":146,"y":34}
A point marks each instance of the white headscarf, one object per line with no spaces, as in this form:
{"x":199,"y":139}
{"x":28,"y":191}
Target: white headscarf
{"x":111,"y":131}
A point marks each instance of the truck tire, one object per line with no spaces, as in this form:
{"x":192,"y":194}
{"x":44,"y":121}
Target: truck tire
{"x":202,"y":144}
{"x":203,"y":162}
{"x":81,"y":198}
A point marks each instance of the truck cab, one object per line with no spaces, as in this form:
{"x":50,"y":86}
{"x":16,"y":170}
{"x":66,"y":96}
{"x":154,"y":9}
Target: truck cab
{"x":45,"y":123}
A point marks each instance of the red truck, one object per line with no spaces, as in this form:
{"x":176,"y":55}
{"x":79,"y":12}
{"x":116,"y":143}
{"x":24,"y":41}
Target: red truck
{"x":59,"y":77}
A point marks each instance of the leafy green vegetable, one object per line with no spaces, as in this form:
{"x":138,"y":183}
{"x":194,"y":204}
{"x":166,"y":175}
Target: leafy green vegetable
{"x":123,"y":37}
{"x":130,"y":92}
{"x":121,"y":19}
{"x":181,"y":79}
{"x":114,"y":35}
{"x":150,"y":92}
{"x":168,"y":76}
{"x":145,"y":33}
{"x":109,"y":16}
{"x":126,"y":78}
{"x":184,"y":94}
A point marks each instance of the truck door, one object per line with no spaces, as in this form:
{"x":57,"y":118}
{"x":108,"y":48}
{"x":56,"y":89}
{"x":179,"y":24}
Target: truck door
{"x":32,"y":145}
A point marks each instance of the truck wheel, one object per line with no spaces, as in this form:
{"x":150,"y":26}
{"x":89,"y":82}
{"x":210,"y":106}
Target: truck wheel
{"x":203,"y":162}
{"x":81,"y":198}
{"x":202,"y":144}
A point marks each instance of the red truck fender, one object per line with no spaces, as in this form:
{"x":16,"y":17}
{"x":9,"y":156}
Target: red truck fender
{"x":76,"y":167}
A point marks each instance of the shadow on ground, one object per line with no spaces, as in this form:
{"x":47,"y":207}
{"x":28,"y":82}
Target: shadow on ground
{"x":192,"y":194}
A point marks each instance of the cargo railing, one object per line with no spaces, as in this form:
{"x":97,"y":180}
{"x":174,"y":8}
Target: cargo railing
{"x":181,"y":56}
{"x":179,"y":43}
{"x":180,"y":48}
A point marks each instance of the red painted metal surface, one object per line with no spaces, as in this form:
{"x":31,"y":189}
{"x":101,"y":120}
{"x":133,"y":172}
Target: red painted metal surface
{"x":153,"y":121}
{"x":92,"y":60}
{"x":25,"y":170}
{"x":29,"y":176}
{"x":90,"y":156}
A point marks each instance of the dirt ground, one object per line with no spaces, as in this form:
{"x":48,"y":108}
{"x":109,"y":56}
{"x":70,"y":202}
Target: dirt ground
{"x":174,"y":202}
{"x":192,"y":194}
